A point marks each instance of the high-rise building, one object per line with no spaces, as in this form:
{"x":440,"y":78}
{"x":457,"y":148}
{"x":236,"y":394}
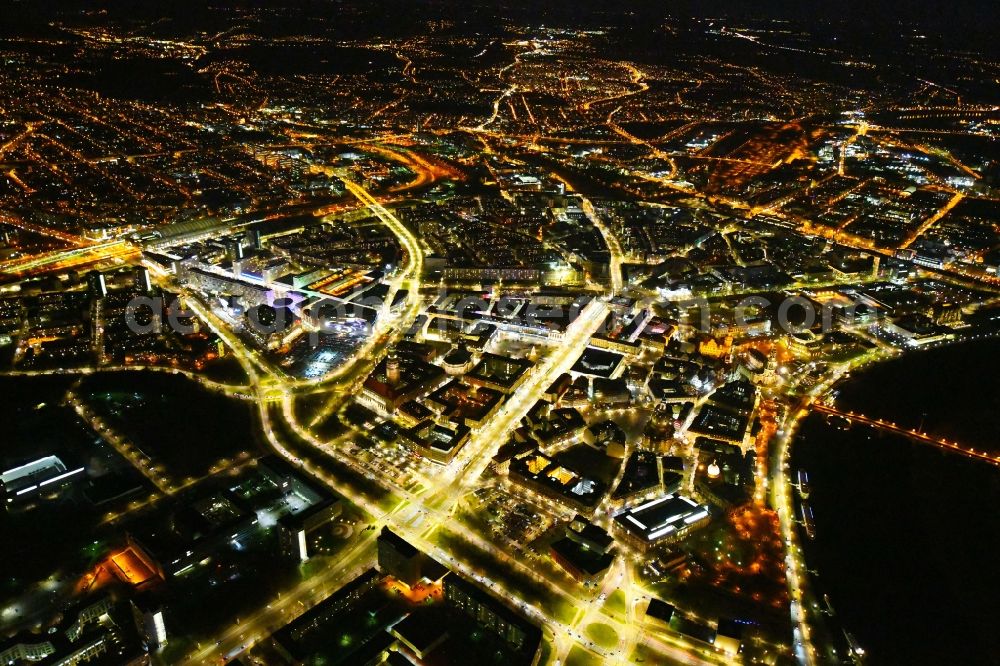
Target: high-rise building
{"x":142,"y":281}
{"x":293,"y":530}
{"x":97,"y":287}
{"x":398,"y":558}
{"x":234,"y":249}
{"x":254,"y":239}
{"x":149,"y":621}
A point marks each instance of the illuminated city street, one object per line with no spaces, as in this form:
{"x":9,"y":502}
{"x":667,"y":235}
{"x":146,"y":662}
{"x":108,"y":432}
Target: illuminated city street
{"x":444,"y":333}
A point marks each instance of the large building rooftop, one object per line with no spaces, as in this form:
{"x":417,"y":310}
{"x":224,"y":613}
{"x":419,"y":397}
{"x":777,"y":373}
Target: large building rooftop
{"x":661,"y":517}
{"x":36,"y":476}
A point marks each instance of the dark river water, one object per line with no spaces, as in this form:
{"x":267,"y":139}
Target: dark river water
{"x":908,"y":537}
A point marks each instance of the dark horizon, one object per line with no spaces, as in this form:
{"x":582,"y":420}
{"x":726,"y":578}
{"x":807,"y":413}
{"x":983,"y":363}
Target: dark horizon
{"x":499,"y":333}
